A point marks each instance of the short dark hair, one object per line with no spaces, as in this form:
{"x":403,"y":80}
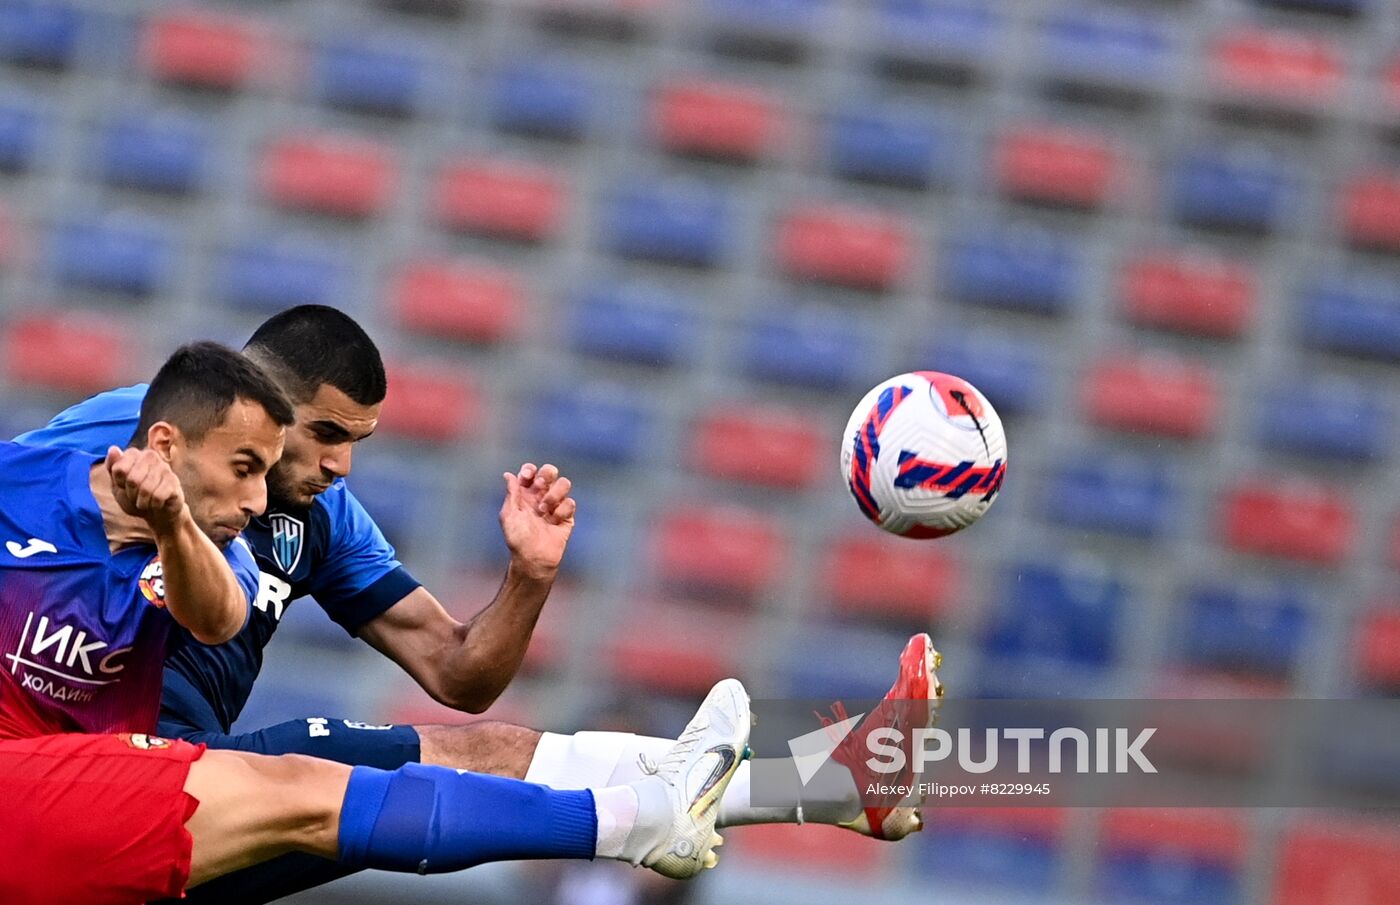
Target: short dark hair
{"x":310,"y":345}
{"x":197,"y":385}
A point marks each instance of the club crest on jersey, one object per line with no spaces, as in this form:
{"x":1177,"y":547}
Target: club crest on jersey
{"x":152,"y":583}
{"x":287,"y":536}
{"x":142,"y":742}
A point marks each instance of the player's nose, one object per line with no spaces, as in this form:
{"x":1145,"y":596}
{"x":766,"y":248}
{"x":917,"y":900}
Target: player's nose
{"x":256,"y":500}
{"x":336,"y":461}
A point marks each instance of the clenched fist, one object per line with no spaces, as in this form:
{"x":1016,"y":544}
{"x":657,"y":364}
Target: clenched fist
{"x":146,"y":487}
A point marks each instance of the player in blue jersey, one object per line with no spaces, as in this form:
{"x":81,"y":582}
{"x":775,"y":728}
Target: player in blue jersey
{"x":103,"y":555}
{"x":317,"y":539}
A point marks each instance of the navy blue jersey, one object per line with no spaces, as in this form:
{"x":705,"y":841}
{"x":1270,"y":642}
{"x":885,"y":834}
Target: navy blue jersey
{"x":332,"y":551}
{"x":84,"y":631}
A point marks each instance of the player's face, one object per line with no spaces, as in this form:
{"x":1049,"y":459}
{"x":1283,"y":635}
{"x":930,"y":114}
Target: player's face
{"x":224,"y":476}
{"x":319,"y":446}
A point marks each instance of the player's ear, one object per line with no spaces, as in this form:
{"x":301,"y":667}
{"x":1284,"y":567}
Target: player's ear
{"x":162,"y":437}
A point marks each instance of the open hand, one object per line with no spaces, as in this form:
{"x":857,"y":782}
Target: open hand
{"x":537,"y":518}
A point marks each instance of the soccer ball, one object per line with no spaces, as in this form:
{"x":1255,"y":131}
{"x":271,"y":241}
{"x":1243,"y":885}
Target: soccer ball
{"x":924,"y":454}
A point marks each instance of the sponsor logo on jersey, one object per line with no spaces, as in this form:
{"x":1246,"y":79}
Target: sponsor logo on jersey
{"x":287,"y":536}
{"x":152,"y":583}
{"x":63,"y":662}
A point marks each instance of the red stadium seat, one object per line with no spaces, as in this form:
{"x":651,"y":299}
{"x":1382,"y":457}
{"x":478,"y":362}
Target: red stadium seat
{"x":1338,"y":864}
{"x":736,"y":552}
{"x":328,"y":174}
{"x":1278,"y":65}
{"x":500,"y":198}
{"x":1196,"y":833}
{"x":673,"y":649}
{"x":1167,"y":398}
{"x":199,"y":48}
{"x":71,"y":353}
{"x":462,"y":301}
{"x":891,"y":577}
{"x":1378,"y":650}
{"x":1306,"y":522}
{"x":1056,"y":166}
{"x":1370,"y":210}
{"x":844,"y":246}
{"x":1193,"y":293}
{"x":706,"y":119}
{"x":428,"y":402}
{"x":780,"y":848}
{"x":772,"y":447}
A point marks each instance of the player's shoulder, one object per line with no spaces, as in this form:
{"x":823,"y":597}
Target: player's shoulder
{"x":345,"y":518}
{"x":42,"y":499}
{"x":98,"y":421}
{"x":25,"y":465}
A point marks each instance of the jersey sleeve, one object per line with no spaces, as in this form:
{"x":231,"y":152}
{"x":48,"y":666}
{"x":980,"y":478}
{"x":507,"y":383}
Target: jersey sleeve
{"x":360,"y":576}
{"x":93,"y":425}
{"x":245,"y":569}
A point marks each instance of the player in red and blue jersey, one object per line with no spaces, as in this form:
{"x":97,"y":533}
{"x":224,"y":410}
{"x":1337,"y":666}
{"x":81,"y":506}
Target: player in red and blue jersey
{"x":106,"y":553}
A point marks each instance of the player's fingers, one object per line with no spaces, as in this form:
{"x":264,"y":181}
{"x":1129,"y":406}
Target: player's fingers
{"x":527,"y":473}
{"x":556,"y":494}
{"x":546,"y":476}
{"x":512,"y":491}
{"x":113,"y":454}
{"x":566,"y":511}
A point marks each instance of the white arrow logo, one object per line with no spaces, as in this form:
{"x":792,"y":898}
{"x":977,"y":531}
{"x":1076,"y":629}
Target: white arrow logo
{"x":35,"y":546}
{"x":810,"y":752}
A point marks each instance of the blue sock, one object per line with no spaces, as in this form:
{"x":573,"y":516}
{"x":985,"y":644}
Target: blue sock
{"x":427,"y":819}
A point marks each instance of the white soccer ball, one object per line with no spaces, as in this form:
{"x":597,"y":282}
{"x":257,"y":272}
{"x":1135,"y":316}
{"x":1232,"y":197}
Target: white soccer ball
{"x":924,"y":454}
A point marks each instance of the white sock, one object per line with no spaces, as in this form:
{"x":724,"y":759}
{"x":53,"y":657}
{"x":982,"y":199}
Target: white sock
{"x":617,"y":815}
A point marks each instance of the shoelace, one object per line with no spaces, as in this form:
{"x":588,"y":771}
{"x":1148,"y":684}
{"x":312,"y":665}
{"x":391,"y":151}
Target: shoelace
{"x":675,"y":757}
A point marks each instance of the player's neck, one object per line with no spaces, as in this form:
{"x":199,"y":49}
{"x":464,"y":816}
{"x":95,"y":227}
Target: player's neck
{"x":122,"y":530}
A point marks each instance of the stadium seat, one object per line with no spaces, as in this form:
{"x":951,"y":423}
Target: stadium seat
{"x":1067,"y":613}
{"x":844,"y":246}
{"x":597,"y":547}
{"x":711,"y":119}
{"x":202,"y":49}
{"x":1342,"y":8}
{"x":1357,"y":316}
{"x":66,"y":352}
{"x":1344,"y":419}
{"x":1019,"y":268}
{"x":501,"y":198}
{"x":840,"y":659}
{"x":160,"y":153}
{"x":936,"y":38}
{"x":329,"y":174}
{"x":1274,"y":65}
{"x":888,"y":577}
{"x":777,"y":30}
{"x":1018,"y":848}
{"x":1012,"y":371}
{"x":371,"y":76}
{"x":544,"y":99}
{"x":21,"y":134}
{"x":728,"y":551}
{"x":806,"y":346}
{"x":1166,"y":397}
{"x":1248,"y":629}
{"x":667,"y":648}
{"x":768,"y":446}
{"x":1242,"y":190}
{"x":673,"y":222}
{"x":395,"y":496}
{"x":646,"y":324}
{"x":39,"y":34}
{"x":1056,"y":166}
{"x":113,"y":254}
{"x":1377,"y":644}
{"x":1191,"y":292}
{"x":1370,"y":210}
{"x":458,"y":300}
{"x":606,"y":425}
{"x":1336,"y":862}
{"x":429,"y":402}
{"x":869,"y":141}
{"x":1104,"y":491}
{"x":1119,"y":50}
{"x":1181,"y":856}
{"x":810,"y":849}
{"x":1309,"y":523}
{"x":268,"y":276}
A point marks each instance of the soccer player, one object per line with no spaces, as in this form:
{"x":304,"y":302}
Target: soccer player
{"x":104,"y":555}
{"x":317,"y":539}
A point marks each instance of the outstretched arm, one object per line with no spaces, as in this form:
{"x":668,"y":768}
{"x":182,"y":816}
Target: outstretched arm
{"x":467,"y":665}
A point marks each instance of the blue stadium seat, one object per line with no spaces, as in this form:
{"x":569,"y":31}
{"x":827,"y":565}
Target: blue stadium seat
{"x":1116,"y":47}
{"x":394,"y":498}
{"x":549,"y":99}
{"x":268,"y":276}
{"x":1330,"y":418}
{"x":21,"y":131}
{"x":1002,"y":849}
{"x":1102,"y":491}
{"x":1013,"y":372}
{"x":1056,"y":612}
{"x":807,"y":346}
{"x":165,"y":153}
{"x":1234,"y":189}
{"x":1355,"y":316}
{"x":1253,"y":629}
{"x":373,"y":77}
{"x":1023,"y":268}
{"x":676,"y":222}
{"x":597,"y":424}
{"x":1168,"y":879}
{"x":38,"y":34}
{"x":894,"y":145}
{"x":128,"y":256}
{"x":961,"y":30}
{"x":593,"y":547}
{"x":809,"y":673}
{"x":795,"y":16}
{"x":633,"y":322}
